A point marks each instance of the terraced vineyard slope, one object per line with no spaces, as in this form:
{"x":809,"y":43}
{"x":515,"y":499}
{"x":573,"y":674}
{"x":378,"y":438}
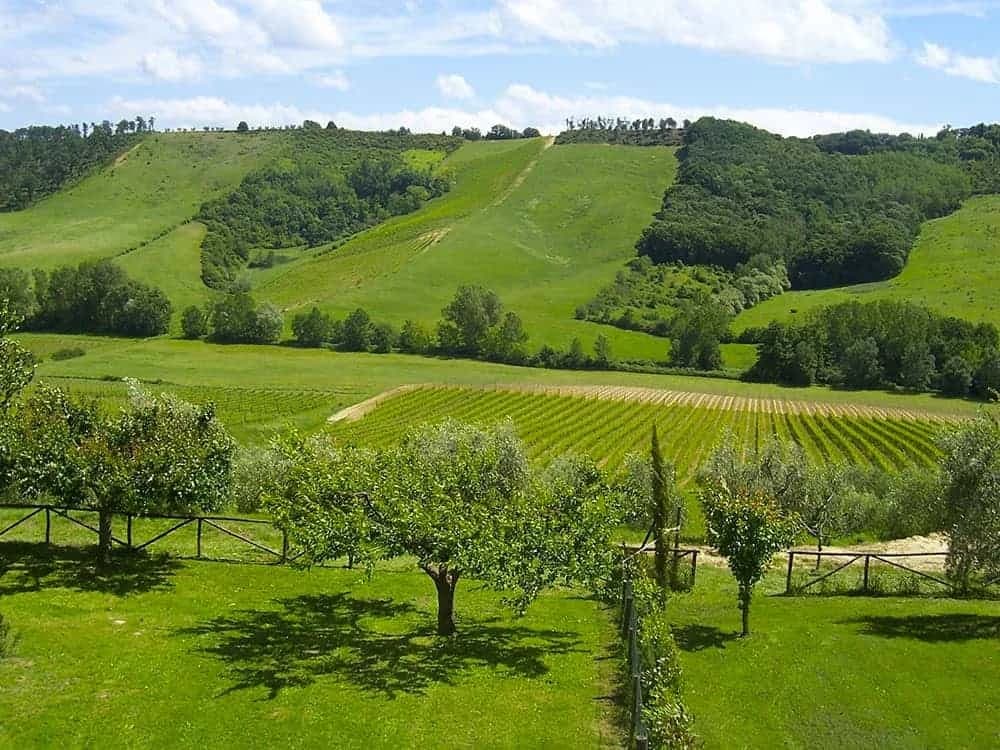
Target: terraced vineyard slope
{"x":610,"y":422}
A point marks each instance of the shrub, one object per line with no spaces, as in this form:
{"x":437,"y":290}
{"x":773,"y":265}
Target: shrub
{"x":68,"y":353}
{"x":194,"y":323}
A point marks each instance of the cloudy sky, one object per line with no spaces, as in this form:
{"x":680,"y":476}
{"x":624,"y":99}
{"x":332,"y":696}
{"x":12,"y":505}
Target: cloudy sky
{"x":793,"y":66}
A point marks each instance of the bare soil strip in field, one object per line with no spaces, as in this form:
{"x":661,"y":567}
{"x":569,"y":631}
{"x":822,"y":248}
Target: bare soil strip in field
{"x":662,"y":397}
{"x":519,"y":180}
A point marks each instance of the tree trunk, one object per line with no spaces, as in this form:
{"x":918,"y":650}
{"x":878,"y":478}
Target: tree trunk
{"x":745,"y":593}
{"x":104,"y":537}
{"x":819,"y":548}
{"x":445,"y":581}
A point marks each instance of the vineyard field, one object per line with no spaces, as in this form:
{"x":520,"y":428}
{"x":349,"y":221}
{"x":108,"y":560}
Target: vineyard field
{"x":608,"y":428}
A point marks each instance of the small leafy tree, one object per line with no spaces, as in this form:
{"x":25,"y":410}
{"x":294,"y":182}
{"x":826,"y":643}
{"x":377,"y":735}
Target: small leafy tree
{"x":467,"y":320}
{"x":158,"y":453}
{"x":312,"y":328}
{"x":414,"y":338}
{"x":956,"y":377}
{"x":460,"y":500}
{"x":17,"y":364}
{"x":602,"y":351}
{"x":356,"y":333}
{"x":971,"y":499}
{"x":747,"y":527}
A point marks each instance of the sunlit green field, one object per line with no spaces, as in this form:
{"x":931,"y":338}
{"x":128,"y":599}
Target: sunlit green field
{"x":839,"y":672}
{"x":954,"y":268}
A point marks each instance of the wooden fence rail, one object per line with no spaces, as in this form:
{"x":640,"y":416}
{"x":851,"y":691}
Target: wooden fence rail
{"x":129,"y":543}
{"x":638,"y":734}
{"x":889,"y":558}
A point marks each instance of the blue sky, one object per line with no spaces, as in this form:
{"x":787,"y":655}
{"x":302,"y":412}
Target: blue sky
{"x":792,"y":66}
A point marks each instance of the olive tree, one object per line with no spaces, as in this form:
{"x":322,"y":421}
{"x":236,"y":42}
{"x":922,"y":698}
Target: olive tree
{"x":971,"y":500}
{"x":17,"y":364}
{"x":461,"y":500}
{"x":158,"y":454}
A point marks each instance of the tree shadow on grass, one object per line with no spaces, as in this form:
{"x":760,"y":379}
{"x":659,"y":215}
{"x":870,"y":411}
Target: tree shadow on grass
{"x":375,"y":644}
{"x":699,"y":637}
{"x":27,"y":567}
{"x":931,"y":628}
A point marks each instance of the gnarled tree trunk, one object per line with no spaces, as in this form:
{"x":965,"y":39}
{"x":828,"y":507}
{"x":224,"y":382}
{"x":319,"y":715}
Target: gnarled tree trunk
{"x":104,"y":540}
{"x":745,"y":593}
{"x":445,"y":581}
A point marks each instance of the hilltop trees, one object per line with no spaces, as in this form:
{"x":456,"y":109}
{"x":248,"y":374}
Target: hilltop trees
{"x":697,"y":332}
{"x":461,"y":500}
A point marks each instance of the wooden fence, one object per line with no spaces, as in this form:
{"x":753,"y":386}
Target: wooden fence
{"x":638,"y":735}
{"x":893,"y":559}
{"x":129,"y":542}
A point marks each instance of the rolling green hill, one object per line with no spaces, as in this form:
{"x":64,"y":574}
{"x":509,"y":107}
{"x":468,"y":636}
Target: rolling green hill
{"x":954,"y":268}
{"x":544,"y":227}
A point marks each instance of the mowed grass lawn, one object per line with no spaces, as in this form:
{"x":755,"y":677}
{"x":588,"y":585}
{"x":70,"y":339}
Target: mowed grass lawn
{"x":954,"y":268}
{"x":838,"y":671}
{"x":168,"y":653}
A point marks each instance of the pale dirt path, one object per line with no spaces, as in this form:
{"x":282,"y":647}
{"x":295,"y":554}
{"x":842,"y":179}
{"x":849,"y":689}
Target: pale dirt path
{"x":519,"y":180}
{"x":658,"y":396}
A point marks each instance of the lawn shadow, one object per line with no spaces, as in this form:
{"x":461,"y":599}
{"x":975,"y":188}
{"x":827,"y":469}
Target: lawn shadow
{"x":370,"y":643}
{"x":34,"y":566}
{"x":931,"y":628}
{"x":699,"y":637}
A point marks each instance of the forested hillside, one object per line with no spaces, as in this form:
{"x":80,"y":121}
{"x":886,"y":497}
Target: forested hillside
{"x":328,"y":184}
{"x":38,"y":161}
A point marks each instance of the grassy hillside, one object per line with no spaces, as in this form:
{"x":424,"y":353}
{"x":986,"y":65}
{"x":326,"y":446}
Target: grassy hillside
{"x":148,"y":191}
{"x":544,"y":227}
{"x":954,"y":268}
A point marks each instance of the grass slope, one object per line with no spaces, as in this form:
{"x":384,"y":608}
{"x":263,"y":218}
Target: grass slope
{"x":148,"y":191}
{"x":185,"y":654}
{"x":544,"y":227}
{"x":954,"y":268}
{"x":839,"y":672}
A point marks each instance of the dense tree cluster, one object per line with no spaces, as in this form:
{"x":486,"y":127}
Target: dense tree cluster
{"x":645,"y":131}
{"x":37,"y":161}
{"x":234,"y":319}
{"x":94,"y":297}
{"x":884,"y":343}
{"x":833,"y":219}
{"x":646,"y":296}
{"x":355,"y":333}
{"x":498,"y":132}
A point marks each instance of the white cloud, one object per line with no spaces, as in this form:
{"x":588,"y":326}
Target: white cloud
{"x":519,"y":106}
{"x":4,"y":107}
{"x":296,"y":23}
{"x":790,"y":30}
{"x":167,"y":65}
{"x":454,"y":86}
{"x":30,"y":93}
{"x":982,"y":69}
{"x":336,"y":80}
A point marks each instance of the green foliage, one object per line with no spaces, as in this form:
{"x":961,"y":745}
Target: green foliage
{"x":414,"y":338}
{"x":98,"y":297}
{"x":17,"y":364}
{"x":883,"y":342}
{"x":238,"y":319}
{"x":460,"y":500}
{"x":312,"y":328}
{"x":194,"y":322}
{"x":640,"y":132}
{"x":747,"y":526}
{"x":467,"y":320}
{"x":663,"y":712}
{"x":971,"y":488}
{"x":16,"y":290}
{"x":834,"y":219}
{"x":60,"y":355}
{"x":665,"y":503}
{"x":37,"y":161}
{"x":696,"y":334}
{"x":646,"y":296}
{"x":356,"y":332}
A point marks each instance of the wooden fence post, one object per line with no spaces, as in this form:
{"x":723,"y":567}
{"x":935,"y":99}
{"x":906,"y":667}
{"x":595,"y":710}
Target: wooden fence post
{"x":128,"y":529}
{"x":48,"y":526}
{"x":284,"y":545}
{"x":867,"y":561}
{"x":694,"y":566}
{"x":788,"y":578}
{"x":199,"y":536}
